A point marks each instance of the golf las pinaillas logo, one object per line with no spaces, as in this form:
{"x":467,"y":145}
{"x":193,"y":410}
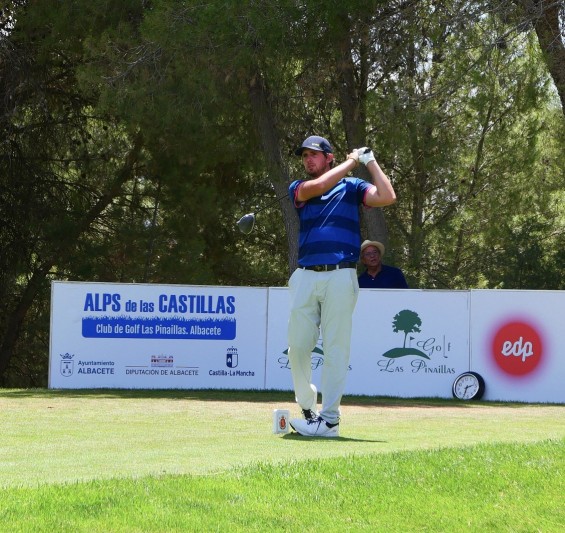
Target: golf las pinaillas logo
{"x":421,"y":350}
{"x":517,"y":348}
{"x":317,"y":360}
{"x":317,"y":357}
{"x":67,"y":364}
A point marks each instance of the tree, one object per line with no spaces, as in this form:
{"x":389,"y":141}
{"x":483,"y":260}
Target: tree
{"x":135,"y":137}
{"x":452,"y":117}
{"x":61,"y":165}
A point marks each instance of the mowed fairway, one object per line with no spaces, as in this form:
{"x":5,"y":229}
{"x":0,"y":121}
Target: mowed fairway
{"x":67,"y":436}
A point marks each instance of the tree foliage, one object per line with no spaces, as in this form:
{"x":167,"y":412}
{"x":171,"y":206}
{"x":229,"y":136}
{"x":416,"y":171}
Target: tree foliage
{"x":134,"y":134}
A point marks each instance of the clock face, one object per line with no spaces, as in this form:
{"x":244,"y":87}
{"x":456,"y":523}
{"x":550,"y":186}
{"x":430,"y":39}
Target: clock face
{"x":468,"y":386}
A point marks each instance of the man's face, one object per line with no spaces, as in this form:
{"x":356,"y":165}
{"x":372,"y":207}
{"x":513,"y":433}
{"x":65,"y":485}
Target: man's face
{"x":315,"y":162}
{"x":371,"y":256}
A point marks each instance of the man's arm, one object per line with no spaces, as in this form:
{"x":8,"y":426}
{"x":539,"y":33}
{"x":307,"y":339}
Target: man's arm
{"x":318,"y":186}
{"x":382,"y":193}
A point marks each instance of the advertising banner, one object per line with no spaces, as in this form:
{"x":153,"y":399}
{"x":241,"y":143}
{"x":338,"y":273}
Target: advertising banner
{"x":407,"y":343}
{"x":517,"y":344}
{"x":110,"y":335}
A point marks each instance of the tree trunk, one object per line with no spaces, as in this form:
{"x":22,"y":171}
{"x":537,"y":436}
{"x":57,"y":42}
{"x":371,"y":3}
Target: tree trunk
{"x":352,"y":98}
{"x":544,"y":16}
{"x":266,"y":123}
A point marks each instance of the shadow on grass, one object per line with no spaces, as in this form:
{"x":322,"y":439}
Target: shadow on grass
{"x":250,"y":396}
{"x":297,"y":437}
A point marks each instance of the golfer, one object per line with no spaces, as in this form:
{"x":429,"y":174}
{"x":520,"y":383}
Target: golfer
{"x":324,"y":287}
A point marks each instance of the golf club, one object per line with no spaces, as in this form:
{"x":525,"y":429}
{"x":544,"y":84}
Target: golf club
{"x":247,"y":222}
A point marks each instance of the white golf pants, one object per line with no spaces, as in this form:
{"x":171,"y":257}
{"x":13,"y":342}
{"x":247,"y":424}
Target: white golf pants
{"x":321,"y":301}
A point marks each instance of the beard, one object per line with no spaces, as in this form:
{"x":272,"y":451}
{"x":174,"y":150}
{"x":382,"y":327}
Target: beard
{"x":314,"y":173}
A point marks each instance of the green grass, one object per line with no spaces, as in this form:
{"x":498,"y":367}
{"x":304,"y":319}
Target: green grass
{"x":207,"y":461}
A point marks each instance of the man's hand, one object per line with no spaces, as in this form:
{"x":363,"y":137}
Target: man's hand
{"x":355,"y":156}
{"x":365,"y":155}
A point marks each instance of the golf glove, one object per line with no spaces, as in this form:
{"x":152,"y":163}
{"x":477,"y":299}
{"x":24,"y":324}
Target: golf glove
{"x":365,"y":155}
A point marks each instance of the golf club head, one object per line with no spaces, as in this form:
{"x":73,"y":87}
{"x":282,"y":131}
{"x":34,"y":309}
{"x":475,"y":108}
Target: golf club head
{"x":246,"y":223}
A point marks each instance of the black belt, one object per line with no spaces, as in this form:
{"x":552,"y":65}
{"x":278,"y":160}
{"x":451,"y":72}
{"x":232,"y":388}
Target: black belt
{"x":328,"y":268}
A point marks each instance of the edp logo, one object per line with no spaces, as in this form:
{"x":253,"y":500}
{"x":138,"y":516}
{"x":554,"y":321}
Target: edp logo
{"x":517,"y":348}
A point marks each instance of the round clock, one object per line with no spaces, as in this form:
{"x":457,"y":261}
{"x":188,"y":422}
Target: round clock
{"x":468,"y":386}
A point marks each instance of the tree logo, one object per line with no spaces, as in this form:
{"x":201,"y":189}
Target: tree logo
{"x":419,"y":350}
{"x":517,"y":348}
{"x":408,"y":322}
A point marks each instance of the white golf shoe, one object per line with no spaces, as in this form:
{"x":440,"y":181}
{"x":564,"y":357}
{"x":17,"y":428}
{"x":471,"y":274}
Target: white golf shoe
{"x":314,"y":427}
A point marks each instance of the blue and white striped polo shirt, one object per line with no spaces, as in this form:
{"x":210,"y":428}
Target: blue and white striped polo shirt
{"x":329,"y":224}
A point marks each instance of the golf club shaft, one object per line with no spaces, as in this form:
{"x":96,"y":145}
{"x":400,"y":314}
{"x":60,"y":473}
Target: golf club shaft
{"x":271,"y":203}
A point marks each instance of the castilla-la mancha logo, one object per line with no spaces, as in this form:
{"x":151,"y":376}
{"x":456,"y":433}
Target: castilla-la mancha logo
{"x":517,"y":348}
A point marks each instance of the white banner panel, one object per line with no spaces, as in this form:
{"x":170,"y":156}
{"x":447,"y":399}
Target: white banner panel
{"x":110,"y":335}
{"x":277,"y":366}
{"x":517,"y":344}
{"x":407,"y":343}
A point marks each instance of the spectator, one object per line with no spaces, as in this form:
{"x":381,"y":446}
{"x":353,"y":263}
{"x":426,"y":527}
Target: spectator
{"x":377,"y":275}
